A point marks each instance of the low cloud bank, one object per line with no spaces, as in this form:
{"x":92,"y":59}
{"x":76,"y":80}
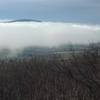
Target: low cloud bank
{"x":23,"y":34}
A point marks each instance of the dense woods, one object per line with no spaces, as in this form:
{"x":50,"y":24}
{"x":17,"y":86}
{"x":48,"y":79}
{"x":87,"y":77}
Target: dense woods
{"x":52,"y":78}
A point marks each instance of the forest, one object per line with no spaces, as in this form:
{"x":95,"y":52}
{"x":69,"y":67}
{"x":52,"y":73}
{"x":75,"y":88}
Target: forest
{"x":76,"y":77}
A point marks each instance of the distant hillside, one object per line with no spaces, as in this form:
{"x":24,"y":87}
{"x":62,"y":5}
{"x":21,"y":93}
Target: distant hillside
{"x":43,"y":51}
{"x":22,"y":20}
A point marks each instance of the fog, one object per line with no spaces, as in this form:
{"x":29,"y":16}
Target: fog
{"x":24,"y":34}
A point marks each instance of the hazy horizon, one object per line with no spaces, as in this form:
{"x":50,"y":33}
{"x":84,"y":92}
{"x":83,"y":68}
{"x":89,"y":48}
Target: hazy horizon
{"x":23,"y":34}
{"x":63,"y":21}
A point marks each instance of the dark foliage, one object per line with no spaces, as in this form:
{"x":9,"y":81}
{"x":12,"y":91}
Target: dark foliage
{"x":52,"y":78}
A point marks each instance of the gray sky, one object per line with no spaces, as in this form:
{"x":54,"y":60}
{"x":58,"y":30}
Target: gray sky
{"x":64,"y":21}
{"x":78,"y":11}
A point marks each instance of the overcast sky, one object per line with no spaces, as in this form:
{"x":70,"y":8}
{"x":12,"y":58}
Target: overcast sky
{"x":78,"y":11}
{"x":64,"y":21}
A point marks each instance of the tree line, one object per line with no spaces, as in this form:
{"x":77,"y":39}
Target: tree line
{"x":52,"y":78}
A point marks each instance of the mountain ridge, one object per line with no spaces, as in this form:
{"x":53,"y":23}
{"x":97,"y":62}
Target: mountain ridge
{"x":22,"y":20}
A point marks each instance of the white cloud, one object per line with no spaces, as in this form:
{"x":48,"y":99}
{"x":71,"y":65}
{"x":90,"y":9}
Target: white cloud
{"x":16,"y":35}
